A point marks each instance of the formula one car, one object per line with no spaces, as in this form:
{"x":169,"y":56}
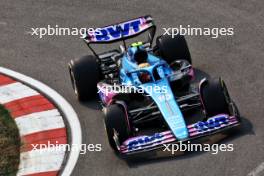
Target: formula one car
{"x":157,"y":101}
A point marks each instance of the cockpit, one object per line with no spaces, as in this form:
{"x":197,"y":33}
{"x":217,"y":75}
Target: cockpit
{"x":138,"y":54}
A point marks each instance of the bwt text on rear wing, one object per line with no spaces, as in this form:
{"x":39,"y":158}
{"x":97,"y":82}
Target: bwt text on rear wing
{"x":120,"y":31}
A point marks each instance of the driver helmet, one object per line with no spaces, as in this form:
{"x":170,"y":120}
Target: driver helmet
{"x":138,"y":53}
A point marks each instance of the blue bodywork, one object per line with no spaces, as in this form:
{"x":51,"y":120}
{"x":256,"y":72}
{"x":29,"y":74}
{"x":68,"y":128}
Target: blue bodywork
{"x":129,"y":76}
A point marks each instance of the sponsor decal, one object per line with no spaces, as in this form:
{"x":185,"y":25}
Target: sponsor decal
{"x":211,"y":123}
{"x":165,"y":97}
{"x":118,"y":31}
{"x":144,"y":140}
{"x":125,"y":29}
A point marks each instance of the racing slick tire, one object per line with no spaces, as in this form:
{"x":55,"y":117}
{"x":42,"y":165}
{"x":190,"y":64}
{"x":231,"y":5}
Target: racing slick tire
{"x":171,"y":49}
{"x":215,"y":97}
{"x":84,"y":73}
{"x":116,"y":124}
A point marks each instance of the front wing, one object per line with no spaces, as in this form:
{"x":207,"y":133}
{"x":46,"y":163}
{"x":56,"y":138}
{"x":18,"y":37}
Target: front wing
{"x":213,"y":125}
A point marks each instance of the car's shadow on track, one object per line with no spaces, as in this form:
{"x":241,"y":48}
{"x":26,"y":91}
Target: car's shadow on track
{"x":92,"y":104}
{"x":245,"y":129}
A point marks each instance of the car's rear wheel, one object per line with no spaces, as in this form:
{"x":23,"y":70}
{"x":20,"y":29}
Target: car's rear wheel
{"x":84,"y":74}
{"x":171,"y":49}
{"x":117,"y":125}
{"x":215,"y":97}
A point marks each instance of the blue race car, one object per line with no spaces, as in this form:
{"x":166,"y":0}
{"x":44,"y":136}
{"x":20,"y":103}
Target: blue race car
{"x":147,"y":93}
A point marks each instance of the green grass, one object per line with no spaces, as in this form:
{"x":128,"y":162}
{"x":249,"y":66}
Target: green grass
{"x":9,"y":144}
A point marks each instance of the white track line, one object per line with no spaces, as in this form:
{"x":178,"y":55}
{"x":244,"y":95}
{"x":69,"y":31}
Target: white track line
{"x":257,"y":170}
{"x":40,"y":121}
{"x":67,"y":110}
{"x":15,"y":91}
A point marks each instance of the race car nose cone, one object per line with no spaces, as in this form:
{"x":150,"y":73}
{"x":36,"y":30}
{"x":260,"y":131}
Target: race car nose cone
{"x":170,"y":110}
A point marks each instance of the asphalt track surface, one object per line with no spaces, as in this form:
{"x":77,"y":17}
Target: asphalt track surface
{"x":238,"y":59}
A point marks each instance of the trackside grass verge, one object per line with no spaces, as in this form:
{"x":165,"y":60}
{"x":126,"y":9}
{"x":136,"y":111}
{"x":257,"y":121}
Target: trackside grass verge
{"x":9,"y":144}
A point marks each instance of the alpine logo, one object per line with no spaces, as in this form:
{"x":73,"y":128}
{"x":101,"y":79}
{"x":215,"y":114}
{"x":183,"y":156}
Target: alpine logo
{"x":211,"y":123}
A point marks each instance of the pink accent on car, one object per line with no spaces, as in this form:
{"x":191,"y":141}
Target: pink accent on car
{"x":125,"y":108}
{"x":191,"y":73}
{"x":106,"y":95}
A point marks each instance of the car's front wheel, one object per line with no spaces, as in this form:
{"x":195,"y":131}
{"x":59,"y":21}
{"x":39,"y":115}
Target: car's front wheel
{"x":215,"y":97}
{"x":116,"y":125}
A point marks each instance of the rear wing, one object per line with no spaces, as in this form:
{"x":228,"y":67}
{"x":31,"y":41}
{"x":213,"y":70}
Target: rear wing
{"x":120,"y":31}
